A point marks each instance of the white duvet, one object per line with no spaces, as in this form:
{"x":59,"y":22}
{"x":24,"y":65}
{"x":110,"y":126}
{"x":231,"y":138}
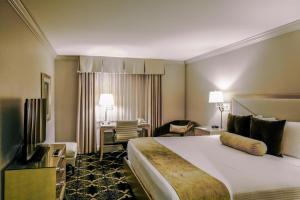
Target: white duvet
{"x":246,"y":176}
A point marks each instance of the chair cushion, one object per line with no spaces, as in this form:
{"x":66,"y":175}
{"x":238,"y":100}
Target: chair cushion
{"x":178,"y":129}
{"x":125,"y":136}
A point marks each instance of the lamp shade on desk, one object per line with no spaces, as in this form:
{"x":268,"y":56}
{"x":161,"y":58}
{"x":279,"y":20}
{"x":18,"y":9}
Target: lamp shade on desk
{"x":106,"y":100}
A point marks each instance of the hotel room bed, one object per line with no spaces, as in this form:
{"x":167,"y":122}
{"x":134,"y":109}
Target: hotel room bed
{"x":245,"y":176}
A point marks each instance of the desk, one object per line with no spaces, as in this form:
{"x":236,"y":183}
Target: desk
{"x":112,"y":125}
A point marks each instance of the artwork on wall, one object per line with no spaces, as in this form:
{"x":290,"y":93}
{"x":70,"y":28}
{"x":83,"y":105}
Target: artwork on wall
{"x":46,"y":93}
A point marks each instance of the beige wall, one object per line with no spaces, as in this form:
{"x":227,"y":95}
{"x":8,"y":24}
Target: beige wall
{"x":268,"y":67}
{"x":22,"y":59}
{"x":173,"y":91}
{"x":66,"y":94}
{"x":173,"y":83}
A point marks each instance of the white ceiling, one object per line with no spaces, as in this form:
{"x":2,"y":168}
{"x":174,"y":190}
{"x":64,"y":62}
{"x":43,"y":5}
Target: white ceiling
{"x":167,"y":29}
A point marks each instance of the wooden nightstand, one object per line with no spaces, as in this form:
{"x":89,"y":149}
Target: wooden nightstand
{"x":199,"y":130}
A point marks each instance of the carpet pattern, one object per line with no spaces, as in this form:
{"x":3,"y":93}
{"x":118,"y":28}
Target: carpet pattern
{"x":93,"y":179}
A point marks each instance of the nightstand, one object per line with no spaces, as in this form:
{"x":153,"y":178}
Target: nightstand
{"x":200,"y":130}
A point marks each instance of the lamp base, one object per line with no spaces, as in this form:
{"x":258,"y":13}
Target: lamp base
{"x":105,"y":123}
{"x":214,"y":126}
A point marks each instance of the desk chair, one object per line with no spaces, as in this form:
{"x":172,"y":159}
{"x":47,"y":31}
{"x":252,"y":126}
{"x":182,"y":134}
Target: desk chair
{"x":124,"y":131}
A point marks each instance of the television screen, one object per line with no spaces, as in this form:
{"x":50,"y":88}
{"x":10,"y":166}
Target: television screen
{"x":34,"y":125}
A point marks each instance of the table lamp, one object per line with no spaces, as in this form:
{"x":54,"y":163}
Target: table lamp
{"x":217,"y":98}
{"x":107,"y":101}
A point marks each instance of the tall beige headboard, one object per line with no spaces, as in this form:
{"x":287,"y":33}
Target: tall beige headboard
{"x":281,"y":106}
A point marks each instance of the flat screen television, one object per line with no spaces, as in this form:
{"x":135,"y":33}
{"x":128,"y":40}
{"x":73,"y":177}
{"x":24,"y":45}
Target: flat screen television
{"x":34,"y":126}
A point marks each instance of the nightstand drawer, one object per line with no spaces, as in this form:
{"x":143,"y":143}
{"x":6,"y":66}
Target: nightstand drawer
{"x":199,"y":131}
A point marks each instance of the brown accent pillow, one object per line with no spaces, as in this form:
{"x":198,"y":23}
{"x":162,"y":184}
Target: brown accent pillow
{"x":242,"y":125}
{"x":230,"y":123}
{"x":270,"y":132}
{"x":239,"y":124}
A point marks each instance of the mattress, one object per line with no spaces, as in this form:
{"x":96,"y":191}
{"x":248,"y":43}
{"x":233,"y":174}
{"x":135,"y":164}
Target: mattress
{"x":246,"y":176}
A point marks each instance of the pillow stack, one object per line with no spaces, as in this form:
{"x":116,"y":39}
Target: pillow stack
{"x":239,"y":124}
{"x":268,"y":131}
{"x":291,"y":139}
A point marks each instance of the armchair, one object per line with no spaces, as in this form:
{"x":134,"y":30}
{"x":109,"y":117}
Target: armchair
{"x":164,"y":130}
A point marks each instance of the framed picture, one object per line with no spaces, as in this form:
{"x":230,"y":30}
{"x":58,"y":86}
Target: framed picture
{"x":46,"y":93}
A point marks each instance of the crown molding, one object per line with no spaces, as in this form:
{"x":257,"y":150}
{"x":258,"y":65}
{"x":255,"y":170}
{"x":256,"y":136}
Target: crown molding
{"x":26,"y":16}
{"x":173,"y":62}
{"x":295,"y":95}
{"x":293,"y":26}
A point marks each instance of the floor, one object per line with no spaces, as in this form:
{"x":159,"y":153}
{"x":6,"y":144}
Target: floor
{"x":93,"y":179}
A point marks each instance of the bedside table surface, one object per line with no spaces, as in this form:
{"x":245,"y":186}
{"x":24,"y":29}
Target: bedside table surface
{"x":209,"y":129}
{"x":202,"y":130}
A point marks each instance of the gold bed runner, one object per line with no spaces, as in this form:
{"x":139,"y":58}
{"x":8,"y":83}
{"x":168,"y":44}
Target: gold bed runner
{"x":188,"y":181}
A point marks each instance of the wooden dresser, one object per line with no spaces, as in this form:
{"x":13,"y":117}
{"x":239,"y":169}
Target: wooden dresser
{"x":44,"y":179}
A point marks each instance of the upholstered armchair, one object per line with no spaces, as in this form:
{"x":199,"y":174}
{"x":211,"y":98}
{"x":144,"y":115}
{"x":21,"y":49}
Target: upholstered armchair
{"x":164,"y":130}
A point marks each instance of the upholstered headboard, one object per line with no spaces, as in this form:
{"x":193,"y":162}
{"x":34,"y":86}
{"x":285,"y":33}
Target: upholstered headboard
{"x":281,"y":106}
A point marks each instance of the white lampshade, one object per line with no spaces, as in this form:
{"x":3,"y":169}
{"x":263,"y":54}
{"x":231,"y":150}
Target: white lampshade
{"x":216,"y":97}
{"x":106,"y":100}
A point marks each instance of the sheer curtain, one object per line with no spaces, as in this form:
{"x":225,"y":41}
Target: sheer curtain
{"x":135,"y":95}
{"x":127,"y":90}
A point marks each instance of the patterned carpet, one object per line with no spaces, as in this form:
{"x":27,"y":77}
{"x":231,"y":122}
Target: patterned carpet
{"x":93,"y":179}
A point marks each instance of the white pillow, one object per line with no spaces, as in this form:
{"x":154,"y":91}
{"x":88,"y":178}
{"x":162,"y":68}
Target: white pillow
{"x":291,"y":139}
{"x":265,"y":118}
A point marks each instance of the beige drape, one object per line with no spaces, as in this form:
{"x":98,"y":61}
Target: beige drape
{"x":86,"y":122}
{"x":135,"y":95}
{"x":153,"y":98}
